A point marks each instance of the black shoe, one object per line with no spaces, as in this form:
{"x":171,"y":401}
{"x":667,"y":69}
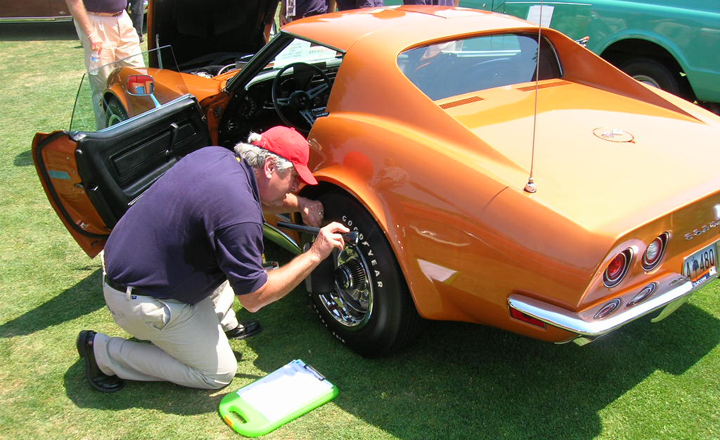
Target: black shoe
{"x":98,"y":380}
{"x":244,"y":330}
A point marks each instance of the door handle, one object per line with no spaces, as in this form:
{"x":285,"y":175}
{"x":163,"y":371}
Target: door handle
{"x":174,"y":128}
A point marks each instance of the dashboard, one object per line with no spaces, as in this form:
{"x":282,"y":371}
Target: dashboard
{"x":253,"y":108}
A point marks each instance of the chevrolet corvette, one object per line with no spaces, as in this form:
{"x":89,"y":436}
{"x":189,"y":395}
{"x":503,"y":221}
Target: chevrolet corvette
{"x":496,"y":173}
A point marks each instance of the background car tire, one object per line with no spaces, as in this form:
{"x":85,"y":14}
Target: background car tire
{"x":654,"y":73}
{"x":391,"y":321}
{"x":114,"y":112}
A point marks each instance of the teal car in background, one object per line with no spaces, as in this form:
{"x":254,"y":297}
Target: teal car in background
{"x":670,"y":44}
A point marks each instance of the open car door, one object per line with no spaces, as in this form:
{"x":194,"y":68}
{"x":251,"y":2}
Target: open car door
{"x":92,"y":178}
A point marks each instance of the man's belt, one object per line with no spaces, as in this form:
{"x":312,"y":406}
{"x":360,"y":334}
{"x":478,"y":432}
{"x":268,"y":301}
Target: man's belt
{"x":106,"y":14}
{"x":123,"y":288}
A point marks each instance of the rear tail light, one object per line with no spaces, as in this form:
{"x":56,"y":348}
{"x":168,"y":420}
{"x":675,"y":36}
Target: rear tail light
{"x":526,"y":318}
{"x":655,"y":252}
{"x":618,"y":268}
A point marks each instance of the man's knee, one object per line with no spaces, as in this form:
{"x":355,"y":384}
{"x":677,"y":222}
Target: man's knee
{"x":221,"y":379}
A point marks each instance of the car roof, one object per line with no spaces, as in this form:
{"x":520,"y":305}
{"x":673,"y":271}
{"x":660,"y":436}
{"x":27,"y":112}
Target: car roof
{"x":400,"y":26}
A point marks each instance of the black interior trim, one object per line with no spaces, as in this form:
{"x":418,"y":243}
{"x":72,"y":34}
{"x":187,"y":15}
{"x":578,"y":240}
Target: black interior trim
{"x":119,"y":164}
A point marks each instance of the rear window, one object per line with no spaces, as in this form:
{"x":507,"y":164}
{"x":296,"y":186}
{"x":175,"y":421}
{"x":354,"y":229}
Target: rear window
{"x":461,"y":66}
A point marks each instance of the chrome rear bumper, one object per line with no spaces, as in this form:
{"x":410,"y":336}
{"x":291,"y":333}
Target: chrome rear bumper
{"x":671,"y":290}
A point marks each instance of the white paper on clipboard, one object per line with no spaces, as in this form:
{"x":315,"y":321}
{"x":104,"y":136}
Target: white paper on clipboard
{"x":285,"y":390}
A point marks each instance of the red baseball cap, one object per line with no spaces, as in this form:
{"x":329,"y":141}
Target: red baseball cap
{"x":287,"y":143}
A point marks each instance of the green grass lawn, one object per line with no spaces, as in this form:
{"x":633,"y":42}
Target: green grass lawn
{"x":648,"y":381}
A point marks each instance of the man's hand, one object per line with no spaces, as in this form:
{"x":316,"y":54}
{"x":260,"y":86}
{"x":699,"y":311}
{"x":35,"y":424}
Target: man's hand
{"x":328,"y":239}
{"x":312,"y":211}
{"x":282,"y":280}
{"x":95,"y":42}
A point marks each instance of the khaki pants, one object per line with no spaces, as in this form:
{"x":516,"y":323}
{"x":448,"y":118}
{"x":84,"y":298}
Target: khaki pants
{"x":188,"y":343}
{"x":120,"y":42}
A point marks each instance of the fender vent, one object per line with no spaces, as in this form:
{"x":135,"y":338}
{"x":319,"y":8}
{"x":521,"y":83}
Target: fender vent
{"x":460,"y":102}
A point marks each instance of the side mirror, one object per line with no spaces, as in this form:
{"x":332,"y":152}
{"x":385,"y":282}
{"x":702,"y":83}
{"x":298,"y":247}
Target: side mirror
{"x":140,"y":85}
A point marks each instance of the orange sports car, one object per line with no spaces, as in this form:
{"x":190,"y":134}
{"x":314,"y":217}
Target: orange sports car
{"x":496,"y":173}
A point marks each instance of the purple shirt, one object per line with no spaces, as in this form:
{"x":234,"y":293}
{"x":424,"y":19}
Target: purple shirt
{"x":105,"y":6}
{"x":306,"y":8}
{"x":198,"y":225}
{"x":344,"y":5}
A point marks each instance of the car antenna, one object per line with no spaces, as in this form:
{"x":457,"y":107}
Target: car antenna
{"x":530,"y":185}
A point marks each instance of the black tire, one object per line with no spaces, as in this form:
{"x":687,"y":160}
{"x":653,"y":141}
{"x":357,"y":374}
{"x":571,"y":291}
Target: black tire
{"x":370,"y":308}
{"x":114,"y":112}
{"x":654,"y":73}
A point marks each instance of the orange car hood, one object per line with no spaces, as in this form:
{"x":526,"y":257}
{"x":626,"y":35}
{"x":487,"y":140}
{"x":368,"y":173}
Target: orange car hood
{"x":602,"y":168}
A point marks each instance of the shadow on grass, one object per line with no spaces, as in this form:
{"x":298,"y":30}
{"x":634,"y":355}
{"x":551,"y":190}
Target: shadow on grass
{"x":467,"y":381}
{"x":157,"y":396}
{"x":81,"y":299}
{"x":38,"y":31}
{"x":23,"y":159}
{"x":457,"y":381}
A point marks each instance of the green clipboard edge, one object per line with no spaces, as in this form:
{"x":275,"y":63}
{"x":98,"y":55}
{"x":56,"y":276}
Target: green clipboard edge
{"x":247,"y":421}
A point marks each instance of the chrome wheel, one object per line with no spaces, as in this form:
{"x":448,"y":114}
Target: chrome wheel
{"x":645,"y":79}
{"x":360,"y":294}
{"x":351,"y":302}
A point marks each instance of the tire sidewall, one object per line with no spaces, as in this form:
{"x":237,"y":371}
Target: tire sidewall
{"x":655,"y":70}
{"x":390,"y":293}
{"x":114,"y":110}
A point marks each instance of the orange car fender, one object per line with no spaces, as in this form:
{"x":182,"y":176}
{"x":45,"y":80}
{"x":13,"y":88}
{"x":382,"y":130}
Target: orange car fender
{"x":353,"y":182}
{"x":116,"y":92}
{"x":169,"y":85}
{"x":339,"y":162}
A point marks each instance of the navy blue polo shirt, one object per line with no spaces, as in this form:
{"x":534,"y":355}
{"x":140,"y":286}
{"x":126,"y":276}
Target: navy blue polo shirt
{"x":306,"y":8}
{"x":344,"y":5}
{"x":105,"y":6}
{"x":198,"y":225}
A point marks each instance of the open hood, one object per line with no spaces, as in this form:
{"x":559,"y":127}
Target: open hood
{"x":208,"y":32}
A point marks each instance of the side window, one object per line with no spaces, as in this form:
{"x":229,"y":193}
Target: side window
{"x":461,"y":66}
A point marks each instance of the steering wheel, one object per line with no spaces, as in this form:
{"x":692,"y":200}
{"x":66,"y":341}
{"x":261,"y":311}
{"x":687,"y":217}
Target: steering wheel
{"x":306,"y":100}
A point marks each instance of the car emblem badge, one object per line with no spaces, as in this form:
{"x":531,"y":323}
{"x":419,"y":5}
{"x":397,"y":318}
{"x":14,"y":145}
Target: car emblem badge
{"x":705,"y":228}
{"x":613,"y":135}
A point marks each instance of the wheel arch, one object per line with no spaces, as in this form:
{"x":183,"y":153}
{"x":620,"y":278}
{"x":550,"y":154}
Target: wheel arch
{"x":336,"y":178}
{"x":631,"y":47}
{"x":117,"y":94}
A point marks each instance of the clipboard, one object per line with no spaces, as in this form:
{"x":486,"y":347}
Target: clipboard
{"x":281,"y":396}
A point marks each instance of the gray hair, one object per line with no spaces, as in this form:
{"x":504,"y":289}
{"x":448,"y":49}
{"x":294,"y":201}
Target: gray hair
{"x":255,"y":156}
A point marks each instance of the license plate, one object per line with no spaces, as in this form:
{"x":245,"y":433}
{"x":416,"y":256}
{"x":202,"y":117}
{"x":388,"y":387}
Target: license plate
{"x":702,"y":265}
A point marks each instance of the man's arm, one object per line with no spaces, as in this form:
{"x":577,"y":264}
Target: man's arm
{"x":311,"y":210}
{"x":284,"y":279}
{"x":79,"y":13}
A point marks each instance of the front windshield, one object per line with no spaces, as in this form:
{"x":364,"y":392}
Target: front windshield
{"x":456,"y":67}
{"x":303,"y":51}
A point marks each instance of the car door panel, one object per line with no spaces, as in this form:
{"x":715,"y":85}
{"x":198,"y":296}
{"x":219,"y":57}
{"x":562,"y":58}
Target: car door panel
{"x":92,"y":178}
